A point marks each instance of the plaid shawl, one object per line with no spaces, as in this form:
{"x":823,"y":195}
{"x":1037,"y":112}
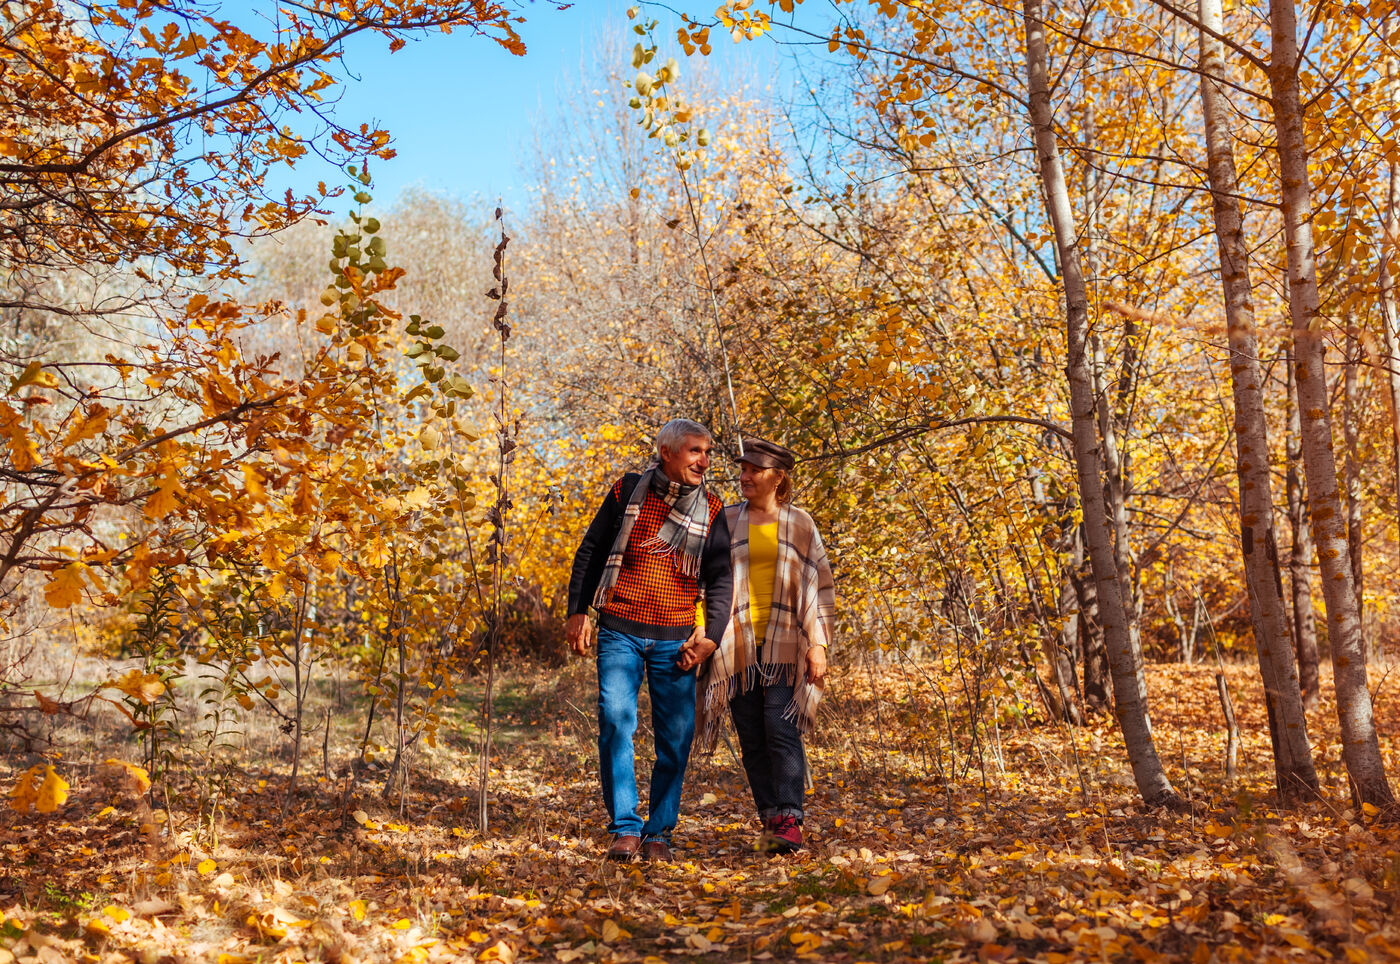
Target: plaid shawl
{"x":681,"y":536}
{"x":802,"y":616}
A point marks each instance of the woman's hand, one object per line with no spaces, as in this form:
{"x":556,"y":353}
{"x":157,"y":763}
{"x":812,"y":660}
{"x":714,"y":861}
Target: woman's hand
{"x":694,"y":652}
{"x":816,"y":665}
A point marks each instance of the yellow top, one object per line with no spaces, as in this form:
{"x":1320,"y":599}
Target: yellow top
{"x":763,"y":574}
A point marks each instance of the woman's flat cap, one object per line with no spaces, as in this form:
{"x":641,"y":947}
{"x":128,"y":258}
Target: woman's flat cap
{"x":767,"y":455}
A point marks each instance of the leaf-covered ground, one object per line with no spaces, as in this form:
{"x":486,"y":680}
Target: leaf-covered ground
{"x":911,"y":856}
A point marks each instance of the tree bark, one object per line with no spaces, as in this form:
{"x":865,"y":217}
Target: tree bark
{"x":1130,"y":698}
{"x":1351,"y":465}
{"x":1094,"y":657}
{"x":1390,"y":311}
{"x":1258,"y":545}
{"x":1360,"y":747}
{"x":1116,"y":487}
{"x":1300,"y":555}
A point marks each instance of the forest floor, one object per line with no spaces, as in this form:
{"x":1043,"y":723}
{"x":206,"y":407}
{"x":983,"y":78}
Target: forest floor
{"x":911,"y":855}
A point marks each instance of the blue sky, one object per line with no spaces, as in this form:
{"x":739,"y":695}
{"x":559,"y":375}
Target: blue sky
{"x":461,"y":109}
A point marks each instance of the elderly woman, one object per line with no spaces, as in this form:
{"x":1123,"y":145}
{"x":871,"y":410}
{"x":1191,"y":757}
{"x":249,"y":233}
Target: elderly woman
{"x":770,"y":666}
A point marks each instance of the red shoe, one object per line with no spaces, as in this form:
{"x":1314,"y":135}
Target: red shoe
{"x":783,"y":835}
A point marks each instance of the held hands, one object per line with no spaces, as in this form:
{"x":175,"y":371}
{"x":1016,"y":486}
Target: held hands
{"x":816,"y":665}
{"x":696,"y":649}
{"x":578,"y":633}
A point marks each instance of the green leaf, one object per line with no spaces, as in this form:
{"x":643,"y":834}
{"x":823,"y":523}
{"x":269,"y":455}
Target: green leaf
{"x":418,"y":391}
{"x":434,"y":332}
{"x":447,"y":353}
{"x":363,"y":197}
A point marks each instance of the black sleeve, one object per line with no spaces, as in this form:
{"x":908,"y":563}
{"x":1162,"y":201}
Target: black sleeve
{"x":592,"y":554}
{"x":717,"y":576}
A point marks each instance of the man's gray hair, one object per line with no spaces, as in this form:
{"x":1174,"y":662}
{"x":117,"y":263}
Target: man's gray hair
{"x":676,"y":431}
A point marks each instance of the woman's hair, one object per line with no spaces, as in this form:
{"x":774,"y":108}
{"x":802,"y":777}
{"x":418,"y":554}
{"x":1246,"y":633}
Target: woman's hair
{"x":784,"y":490}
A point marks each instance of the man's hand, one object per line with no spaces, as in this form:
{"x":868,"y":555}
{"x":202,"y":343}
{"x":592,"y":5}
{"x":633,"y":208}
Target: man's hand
{"x":816,"y":665}
{"x":694,"y":652}
{"x":577,"y":631}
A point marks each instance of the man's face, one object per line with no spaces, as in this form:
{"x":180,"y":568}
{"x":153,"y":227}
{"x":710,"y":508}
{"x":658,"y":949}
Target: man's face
{"x":688,"y":463}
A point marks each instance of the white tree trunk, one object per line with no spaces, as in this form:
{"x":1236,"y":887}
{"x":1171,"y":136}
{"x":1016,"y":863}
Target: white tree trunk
{"x":1360,"y":748}
{"x":1288,"y":723}
{"x":1351,"y":472}
{"x":1390,"y":311}
{"x":1300,"y":554}
{"x":1114,"y":458}
{"x":1130,"y":698}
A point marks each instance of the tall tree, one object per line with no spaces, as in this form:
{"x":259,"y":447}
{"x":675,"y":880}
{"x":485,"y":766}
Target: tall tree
{"x":1130,"y":697}
{"x":1287,"y":722}
{"x":1386,"y":295}
{"x":1300,"y":551}
{"x":1360,"y":746}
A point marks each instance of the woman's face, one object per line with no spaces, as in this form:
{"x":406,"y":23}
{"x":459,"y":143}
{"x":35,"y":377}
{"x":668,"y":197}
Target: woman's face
{"x":756,"y":483}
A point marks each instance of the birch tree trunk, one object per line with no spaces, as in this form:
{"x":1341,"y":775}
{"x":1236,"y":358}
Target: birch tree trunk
{"x":1360,"y":748}
{"x":1390,"y":311}
{"x":1300,"y":555}
{"x":1130,"y":698}
{"x":1094,"y":657}
{"x":1351,"y":464}
{"x":1288,"y":723}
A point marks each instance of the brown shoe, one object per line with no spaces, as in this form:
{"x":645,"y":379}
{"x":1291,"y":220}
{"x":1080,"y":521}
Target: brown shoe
{"x":657,"y":850}
{"x":624,"y":847}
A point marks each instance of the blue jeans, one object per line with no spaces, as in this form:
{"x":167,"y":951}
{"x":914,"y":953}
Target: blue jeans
{"x":622,"y":661}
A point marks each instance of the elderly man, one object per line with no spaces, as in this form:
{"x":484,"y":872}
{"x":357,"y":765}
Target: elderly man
{"x":657,"y":540}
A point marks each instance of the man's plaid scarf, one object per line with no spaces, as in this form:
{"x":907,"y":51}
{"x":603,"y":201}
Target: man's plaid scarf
{"x":681,"y":536}
{"x":802,"y":615}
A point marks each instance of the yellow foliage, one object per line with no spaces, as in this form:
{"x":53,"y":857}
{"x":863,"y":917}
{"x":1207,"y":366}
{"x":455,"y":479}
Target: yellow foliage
{"x":143,"y":687}
{"x":66,"y":587}
{"x":137,"y":775}
{"x":44,"y":795}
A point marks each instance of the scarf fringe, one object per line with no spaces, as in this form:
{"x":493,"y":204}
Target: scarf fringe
{"x":686,"y":563}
